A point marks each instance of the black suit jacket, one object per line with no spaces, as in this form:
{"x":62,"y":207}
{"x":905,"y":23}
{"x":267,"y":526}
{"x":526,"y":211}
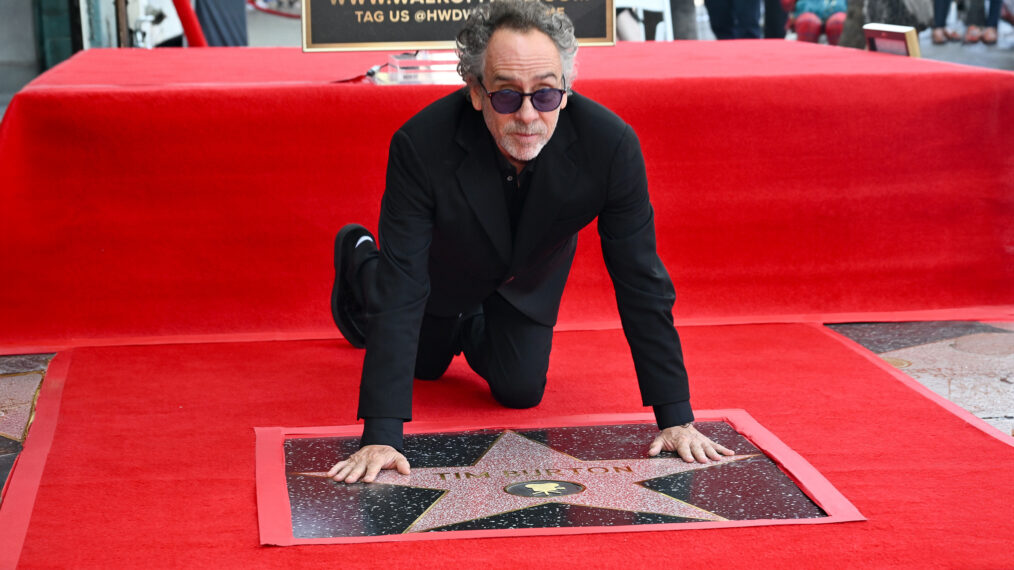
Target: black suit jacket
{"x":446,"y":242}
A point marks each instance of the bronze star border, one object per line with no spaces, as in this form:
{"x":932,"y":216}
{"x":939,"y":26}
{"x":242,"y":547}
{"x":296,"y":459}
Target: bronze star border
{"x":590,"y":478}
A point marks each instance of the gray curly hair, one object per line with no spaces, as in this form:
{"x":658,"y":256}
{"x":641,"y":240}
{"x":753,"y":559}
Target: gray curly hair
{"x":520,"y":15}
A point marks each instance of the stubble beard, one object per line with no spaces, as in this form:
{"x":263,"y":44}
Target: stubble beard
{"x":524,"y":152}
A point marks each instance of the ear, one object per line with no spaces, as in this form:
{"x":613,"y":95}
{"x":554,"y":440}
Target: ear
{"x":475,"y":94}
{"x":563,"y":103}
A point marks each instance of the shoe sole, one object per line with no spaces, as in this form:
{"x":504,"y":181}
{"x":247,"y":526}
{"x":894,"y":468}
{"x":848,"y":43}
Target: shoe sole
{"x":339,"y":296}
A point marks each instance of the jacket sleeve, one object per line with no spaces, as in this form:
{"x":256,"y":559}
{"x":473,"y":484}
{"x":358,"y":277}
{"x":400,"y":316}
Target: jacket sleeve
{"x":644,"y":291}
{"x":397,"y":298}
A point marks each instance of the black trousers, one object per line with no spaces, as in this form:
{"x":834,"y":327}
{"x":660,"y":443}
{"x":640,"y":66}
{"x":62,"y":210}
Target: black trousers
{"x":502,"y":345}
{"x":774,"y":20}
{"x":734,"y":19}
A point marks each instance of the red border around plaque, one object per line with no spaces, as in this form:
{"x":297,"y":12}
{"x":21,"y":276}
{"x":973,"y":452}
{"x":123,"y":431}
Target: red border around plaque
{"x":274,"y":511}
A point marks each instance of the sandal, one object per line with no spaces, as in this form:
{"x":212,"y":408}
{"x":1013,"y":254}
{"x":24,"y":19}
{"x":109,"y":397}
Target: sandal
{"x":943,"y":35}
{"x":973,"y":34}
{"x":989,"y":36}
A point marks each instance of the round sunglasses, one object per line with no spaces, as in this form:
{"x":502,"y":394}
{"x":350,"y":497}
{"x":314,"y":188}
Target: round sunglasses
{"x":507,"y":101}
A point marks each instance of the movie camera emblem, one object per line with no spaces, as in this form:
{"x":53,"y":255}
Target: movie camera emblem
{"x":544,"y":488}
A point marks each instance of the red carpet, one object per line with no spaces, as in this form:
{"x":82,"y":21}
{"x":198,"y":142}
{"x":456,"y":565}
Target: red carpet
{"x":152,"y":461}
{"x":190,"y":196}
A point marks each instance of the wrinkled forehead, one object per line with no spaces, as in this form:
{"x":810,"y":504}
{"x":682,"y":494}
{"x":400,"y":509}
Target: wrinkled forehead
{"x":515,"y":54}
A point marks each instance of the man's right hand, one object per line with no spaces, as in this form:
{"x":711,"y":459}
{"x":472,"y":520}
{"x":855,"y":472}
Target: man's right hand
{"x":366,"y":463}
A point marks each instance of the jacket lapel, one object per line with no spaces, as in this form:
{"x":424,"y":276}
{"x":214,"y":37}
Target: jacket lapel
{"x":480,"y":181}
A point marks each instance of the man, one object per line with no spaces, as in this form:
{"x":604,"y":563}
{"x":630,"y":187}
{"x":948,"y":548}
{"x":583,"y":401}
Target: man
{"x":485,"y":195}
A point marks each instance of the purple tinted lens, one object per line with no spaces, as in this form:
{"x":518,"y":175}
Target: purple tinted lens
{"x":546,"y":99}
{"x":506,"y":101}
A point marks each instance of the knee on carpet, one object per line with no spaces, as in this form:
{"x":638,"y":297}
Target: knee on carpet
{"x":808,"y":27}
{"x":431,"y":371}
{"x":525,"y":395}
{"x":834,"y":26}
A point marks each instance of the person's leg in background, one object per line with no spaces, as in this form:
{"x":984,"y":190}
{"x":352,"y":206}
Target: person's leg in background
{"x":941,"y":34}
{"x":774,"y":19}
{"x":975,"y":19}
{"x":747,"y":14}
{"x":833,"y":27}
{"x":721,"y":17}
{"x":684,"y":16}
{"x":989,"y":33}
{"x":808,"y":27}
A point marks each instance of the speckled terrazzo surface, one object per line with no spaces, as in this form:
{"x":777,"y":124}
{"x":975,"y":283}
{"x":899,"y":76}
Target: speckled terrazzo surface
{"x":20,"y":379}
{"x":557,"y":477}
{"x":969,"y":363}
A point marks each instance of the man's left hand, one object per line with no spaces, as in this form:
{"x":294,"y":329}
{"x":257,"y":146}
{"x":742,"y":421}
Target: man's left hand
{"x":689,"y":444}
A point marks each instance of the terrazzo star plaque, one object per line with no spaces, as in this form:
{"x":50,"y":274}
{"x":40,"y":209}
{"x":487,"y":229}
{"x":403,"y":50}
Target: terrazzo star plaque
{"x":524,"y":480}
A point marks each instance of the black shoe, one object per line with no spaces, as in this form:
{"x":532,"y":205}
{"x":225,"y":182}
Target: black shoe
{"x":348,"y":312}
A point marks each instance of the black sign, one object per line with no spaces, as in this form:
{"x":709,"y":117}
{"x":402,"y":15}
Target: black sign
{"x":344,"y":25}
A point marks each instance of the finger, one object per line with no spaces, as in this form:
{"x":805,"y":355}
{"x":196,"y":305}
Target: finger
{"x":372,"y":468}
{"x":337,"y":467}
{"x":356,"y":473}
{"x":698,"y":450}
{"x":683,"y":449}
{"x":717,"y":448}
{"x":347,"y":473}
{"x":712,"y":452}
{"x":343,"y":472}
{"x":401,"y":464}
{"x":342,"y":475}
{"x":724,"y":450}
{"x":656,"y":447}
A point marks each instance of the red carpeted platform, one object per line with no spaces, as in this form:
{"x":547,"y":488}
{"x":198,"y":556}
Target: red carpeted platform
{"x":176,"y":197}
{"x":182,"y":194}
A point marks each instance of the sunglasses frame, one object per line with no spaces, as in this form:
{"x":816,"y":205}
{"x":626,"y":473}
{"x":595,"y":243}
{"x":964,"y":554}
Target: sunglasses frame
{"x":521,"y":102}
